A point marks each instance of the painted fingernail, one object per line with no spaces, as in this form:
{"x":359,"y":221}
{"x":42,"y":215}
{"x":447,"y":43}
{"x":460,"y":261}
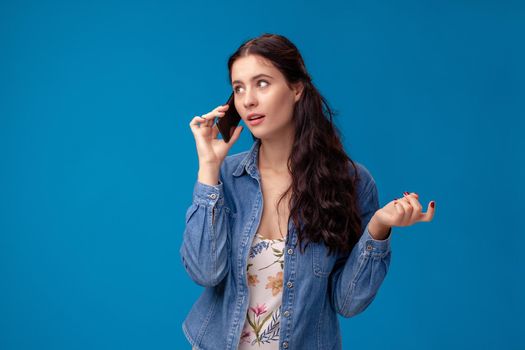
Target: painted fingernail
{"x":405,"y":193}
{"x":432,"y":204}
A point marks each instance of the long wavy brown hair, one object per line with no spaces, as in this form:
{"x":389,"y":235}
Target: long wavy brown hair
{"x":323,"y":194}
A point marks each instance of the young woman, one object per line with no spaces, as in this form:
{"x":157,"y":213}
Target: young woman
{"x":288,"y":234}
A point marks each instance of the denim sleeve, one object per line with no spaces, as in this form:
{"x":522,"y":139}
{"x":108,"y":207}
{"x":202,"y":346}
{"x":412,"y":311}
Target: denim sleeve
{"x":204,"y":249}
{"x":356,"y":279}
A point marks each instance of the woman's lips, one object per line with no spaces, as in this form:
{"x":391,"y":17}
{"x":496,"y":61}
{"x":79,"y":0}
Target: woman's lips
{"x":256,"y":121}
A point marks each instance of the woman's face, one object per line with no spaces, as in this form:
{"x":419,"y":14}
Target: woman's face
{"x":260,"y":88}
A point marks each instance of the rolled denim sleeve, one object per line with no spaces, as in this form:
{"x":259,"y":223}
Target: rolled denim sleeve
{"x":356,"y":279}
{"x":204,"y":249}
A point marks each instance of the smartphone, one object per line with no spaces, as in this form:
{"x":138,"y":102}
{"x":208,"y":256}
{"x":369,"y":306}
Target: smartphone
{"x":229,"y":121}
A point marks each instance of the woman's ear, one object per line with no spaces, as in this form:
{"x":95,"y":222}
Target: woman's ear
{"x":298,"y":90}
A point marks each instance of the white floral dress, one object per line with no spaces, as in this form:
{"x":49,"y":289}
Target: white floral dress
{"x":265,"y":284}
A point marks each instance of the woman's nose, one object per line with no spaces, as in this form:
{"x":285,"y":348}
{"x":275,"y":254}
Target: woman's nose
{"x":250,"y":99}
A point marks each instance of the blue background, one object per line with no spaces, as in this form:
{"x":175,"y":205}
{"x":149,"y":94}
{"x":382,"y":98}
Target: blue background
{"x":98,"y":162}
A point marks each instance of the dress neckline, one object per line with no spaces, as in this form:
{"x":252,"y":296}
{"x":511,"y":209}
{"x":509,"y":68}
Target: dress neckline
{"x":269,"y":239}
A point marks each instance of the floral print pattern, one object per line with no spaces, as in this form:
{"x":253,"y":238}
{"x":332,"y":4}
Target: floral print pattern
{"x":265,"y":282}
{"x":275,"y":283}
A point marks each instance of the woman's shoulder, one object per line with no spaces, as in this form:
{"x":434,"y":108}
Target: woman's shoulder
{"x":365,"y":181}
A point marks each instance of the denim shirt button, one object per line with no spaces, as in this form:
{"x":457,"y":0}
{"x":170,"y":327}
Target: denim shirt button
{"x":290,"y":251}
{"x":289,"y":284}
{"x":369,"y":247}
{"x":285,"y":344}
{"x":213,"y":196}
{"x":286,"y":313}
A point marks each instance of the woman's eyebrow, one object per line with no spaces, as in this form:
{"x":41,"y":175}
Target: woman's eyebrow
{"x":253,"y":78}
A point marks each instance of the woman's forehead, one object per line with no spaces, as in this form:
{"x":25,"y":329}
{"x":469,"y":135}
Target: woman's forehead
{"x":245,"y":68}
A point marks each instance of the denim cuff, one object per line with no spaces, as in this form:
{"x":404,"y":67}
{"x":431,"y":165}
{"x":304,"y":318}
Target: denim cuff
{"x":376,"y":246}
{"x":208,"y":194}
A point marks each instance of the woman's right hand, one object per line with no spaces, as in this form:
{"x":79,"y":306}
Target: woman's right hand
{"x":210,"y":149}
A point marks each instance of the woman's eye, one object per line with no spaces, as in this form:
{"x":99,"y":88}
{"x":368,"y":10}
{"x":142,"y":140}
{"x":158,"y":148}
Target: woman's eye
{"x":236,"y":89}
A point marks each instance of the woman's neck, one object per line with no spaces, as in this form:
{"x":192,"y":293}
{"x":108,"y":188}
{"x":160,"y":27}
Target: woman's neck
{"x":274,"y":154}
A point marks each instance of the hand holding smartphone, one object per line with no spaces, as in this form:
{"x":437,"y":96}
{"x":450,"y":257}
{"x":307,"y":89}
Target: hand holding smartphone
{"x":229,"y":121}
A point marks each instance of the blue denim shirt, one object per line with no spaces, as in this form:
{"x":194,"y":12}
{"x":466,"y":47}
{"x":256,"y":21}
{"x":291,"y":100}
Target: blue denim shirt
{"x":220,"y":225}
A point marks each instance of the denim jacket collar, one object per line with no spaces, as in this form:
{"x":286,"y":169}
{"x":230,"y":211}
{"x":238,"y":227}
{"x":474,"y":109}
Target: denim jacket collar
{"x":249,"y":162}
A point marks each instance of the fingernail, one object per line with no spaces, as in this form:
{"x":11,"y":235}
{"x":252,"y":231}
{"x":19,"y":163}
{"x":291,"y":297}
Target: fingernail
{"x":432,"y":204}
{"x":405,"y":193}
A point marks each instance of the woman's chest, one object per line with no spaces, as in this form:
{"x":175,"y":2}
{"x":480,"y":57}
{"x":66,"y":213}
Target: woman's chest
{"x":275,"y":206}
{"x":255,"y":212}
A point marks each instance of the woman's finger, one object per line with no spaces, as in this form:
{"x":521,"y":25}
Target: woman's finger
{"x":216,"y":112}
{"x":429,"y":215}
{"x":208,"y":120}
{"x":407,"y":208}
{"x":236,"y":133}
{"x":214,"y":131}
{"x":216,"y":115}
{"x":220,"y":108}
{"x":416,"y":213}
{"x":400,"y":209}
{"x":196,"y":123}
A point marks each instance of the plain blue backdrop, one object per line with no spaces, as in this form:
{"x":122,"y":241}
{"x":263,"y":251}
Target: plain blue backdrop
{"x":97,"y":161}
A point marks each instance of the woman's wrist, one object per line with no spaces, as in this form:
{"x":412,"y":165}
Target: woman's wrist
{"x":208,"y":175}
{"x":377,"y":230}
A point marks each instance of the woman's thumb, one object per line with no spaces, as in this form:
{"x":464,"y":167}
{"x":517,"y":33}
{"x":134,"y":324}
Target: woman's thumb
{"x":236,"y":133}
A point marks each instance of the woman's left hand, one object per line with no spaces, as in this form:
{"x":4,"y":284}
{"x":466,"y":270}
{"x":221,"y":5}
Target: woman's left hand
{"x":404,"y":211}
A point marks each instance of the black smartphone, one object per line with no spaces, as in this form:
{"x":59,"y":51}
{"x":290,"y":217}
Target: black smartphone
{"x":229,"y":121}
